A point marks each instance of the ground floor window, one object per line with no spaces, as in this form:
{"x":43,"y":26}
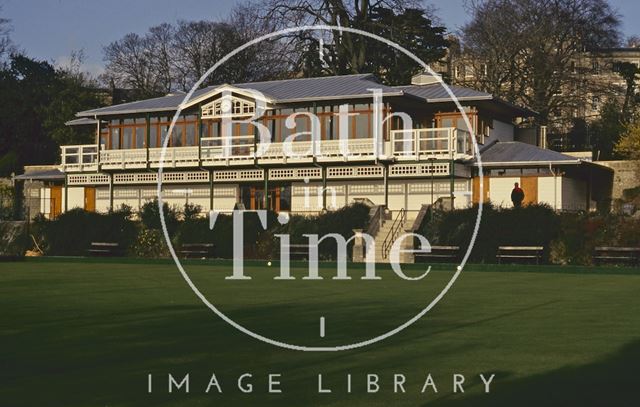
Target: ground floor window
{"x":278,"y":197}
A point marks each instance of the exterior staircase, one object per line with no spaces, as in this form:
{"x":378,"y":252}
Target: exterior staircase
{"x":385,"y":227}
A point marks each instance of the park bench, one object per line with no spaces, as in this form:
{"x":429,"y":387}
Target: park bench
{"x":520,"y":253}
{"x":440,"y":253}
{"x":299,"y":251}
{"x":624,"y":255}
{"x":105,"y":249}
{"x":196,"y":250}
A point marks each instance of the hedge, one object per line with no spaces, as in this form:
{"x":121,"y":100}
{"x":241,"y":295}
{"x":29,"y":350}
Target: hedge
{"x":568,"y":238}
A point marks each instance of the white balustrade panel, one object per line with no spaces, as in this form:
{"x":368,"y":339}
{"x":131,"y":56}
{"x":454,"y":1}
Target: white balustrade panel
{"x":411,"y":144}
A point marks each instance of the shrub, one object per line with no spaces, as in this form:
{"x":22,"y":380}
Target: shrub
{"x":71,"y":233}
{"x":341,"y":221}
{"x":191,"y":211}
{"x":628,"y":231}
{"x":531,"y":225}
{"x":150,"y":216}
{"x":14,"y":239}
{"x":196,"y":230}
{"x":576,"y":239}
{"x":7,"y":196}
{"x":150,"y":243}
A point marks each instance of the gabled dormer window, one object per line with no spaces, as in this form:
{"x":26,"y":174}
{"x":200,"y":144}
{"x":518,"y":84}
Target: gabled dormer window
{"x":229,"y":106}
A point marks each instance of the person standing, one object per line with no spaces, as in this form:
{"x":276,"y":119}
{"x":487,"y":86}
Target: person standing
{"x":517,"y":195}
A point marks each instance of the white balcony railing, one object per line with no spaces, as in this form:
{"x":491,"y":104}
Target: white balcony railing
{"x":416,"y":144}
{"x":79,"y":158}
{"x":413,"y":144}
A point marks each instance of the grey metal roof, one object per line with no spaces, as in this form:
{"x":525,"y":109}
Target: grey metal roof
{"x":281,"y":91}
{"x":437,"y":93}
{"x":45,"y":175}
{"x":515,"y":152}
{"x":434,"y":93}
{"x":329,"y":87}
{"x":83,"y":121}
{"x":305,"y":89}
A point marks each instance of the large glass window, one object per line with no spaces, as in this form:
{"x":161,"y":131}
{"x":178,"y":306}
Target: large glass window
{"x":127,"y":137}
{"x":335,"y":128}
{"x":104,"y":137}
{"x":140,"y":137}
{"x":176,"y":136}
{"x":284,"y":130}
{"x":271,"y":125}
{"x":128,"y":133}
{"x":115,"y":138}
{"x":244,"y":129}
{"x":361,"y":125}
{"x":215,"y":129}
{"x":302,"y":126}
{"x":190,"y":134}
{"x":164,"y":134}
{"x":153,"y":137}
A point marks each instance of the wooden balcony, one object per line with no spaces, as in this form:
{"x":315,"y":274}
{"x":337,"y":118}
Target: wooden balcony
{"x":404,"y":145}
{"x":80,"y":158}
{"x":431,"y":143}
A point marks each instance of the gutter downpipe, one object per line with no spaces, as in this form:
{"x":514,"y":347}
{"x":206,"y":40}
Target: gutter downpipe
{"x":95,"y":116}
{"x":147,"y":123}
{"x":316,"y":144}
{"x":555,"y":188}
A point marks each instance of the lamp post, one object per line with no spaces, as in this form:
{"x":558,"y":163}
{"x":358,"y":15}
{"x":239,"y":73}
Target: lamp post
{"x":432,"y":160}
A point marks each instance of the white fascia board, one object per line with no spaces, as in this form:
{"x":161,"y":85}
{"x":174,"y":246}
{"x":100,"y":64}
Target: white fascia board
{"x":220,"y":89}
{"x":527,"y":163}
{"x":461,"y":99}
{"x":338,"y":97}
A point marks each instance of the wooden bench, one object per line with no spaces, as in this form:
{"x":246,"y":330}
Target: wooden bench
{"x":300,"y":251}
{"x":196,"y":250}
{"x":520,"y":253}
{"x":623,"y":255}
{"x":440,"y":253}
{"x":105,"y":249}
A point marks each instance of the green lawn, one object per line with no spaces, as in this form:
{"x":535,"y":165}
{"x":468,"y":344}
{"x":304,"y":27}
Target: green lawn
{"x":76,"y":332}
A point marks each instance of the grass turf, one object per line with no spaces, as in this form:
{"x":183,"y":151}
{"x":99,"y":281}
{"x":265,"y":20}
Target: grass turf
{"x":86,"y":333}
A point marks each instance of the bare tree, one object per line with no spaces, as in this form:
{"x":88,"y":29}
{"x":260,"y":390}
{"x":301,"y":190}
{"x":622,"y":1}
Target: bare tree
{"x":347,"y":50}
{"x":162,"y":55}
{"x":169,"y":57}
{"x":197,"y":45}
{"x":633,"y":41}
{"x":528,"y":49}
{"x":130,"y":64}
{"x":403,"y":21}
{"x":6,"y":45}
{"x":273,"y":58}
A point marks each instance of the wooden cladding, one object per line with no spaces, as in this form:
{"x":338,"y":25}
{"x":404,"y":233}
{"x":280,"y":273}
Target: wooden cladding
{"x":131,"y":133}
{"x":529,"y":185}
{"x":90,"y":199}
{"x":476,"y":189}
{"x":55,"y":201}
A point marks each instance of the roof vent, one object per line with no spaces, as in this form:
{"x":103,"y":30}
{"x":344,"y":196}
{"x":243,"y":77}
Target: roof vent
{"x":176,"y":93}
{"x":425,"y":78}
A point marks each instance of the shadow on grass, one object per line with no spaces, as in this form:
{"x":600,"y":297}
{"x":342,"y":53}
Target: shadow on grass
{"x":609,"y":382}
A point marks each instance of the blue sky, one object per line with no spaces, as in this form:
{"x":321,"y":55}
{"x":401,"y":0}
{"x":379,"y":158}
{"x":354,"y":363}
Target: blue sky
{"x":52,"y":29}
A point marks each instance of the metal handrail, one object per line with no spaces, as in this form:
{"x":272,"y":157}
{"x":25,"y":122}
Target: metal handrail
{"x":422,"y":213}
{"x":375,"y":220}
{"x":393,"y":232}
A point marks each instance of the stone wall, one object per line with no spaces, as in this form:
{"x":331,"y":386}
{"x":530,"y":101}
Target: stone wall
{"x":626,"y":175}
